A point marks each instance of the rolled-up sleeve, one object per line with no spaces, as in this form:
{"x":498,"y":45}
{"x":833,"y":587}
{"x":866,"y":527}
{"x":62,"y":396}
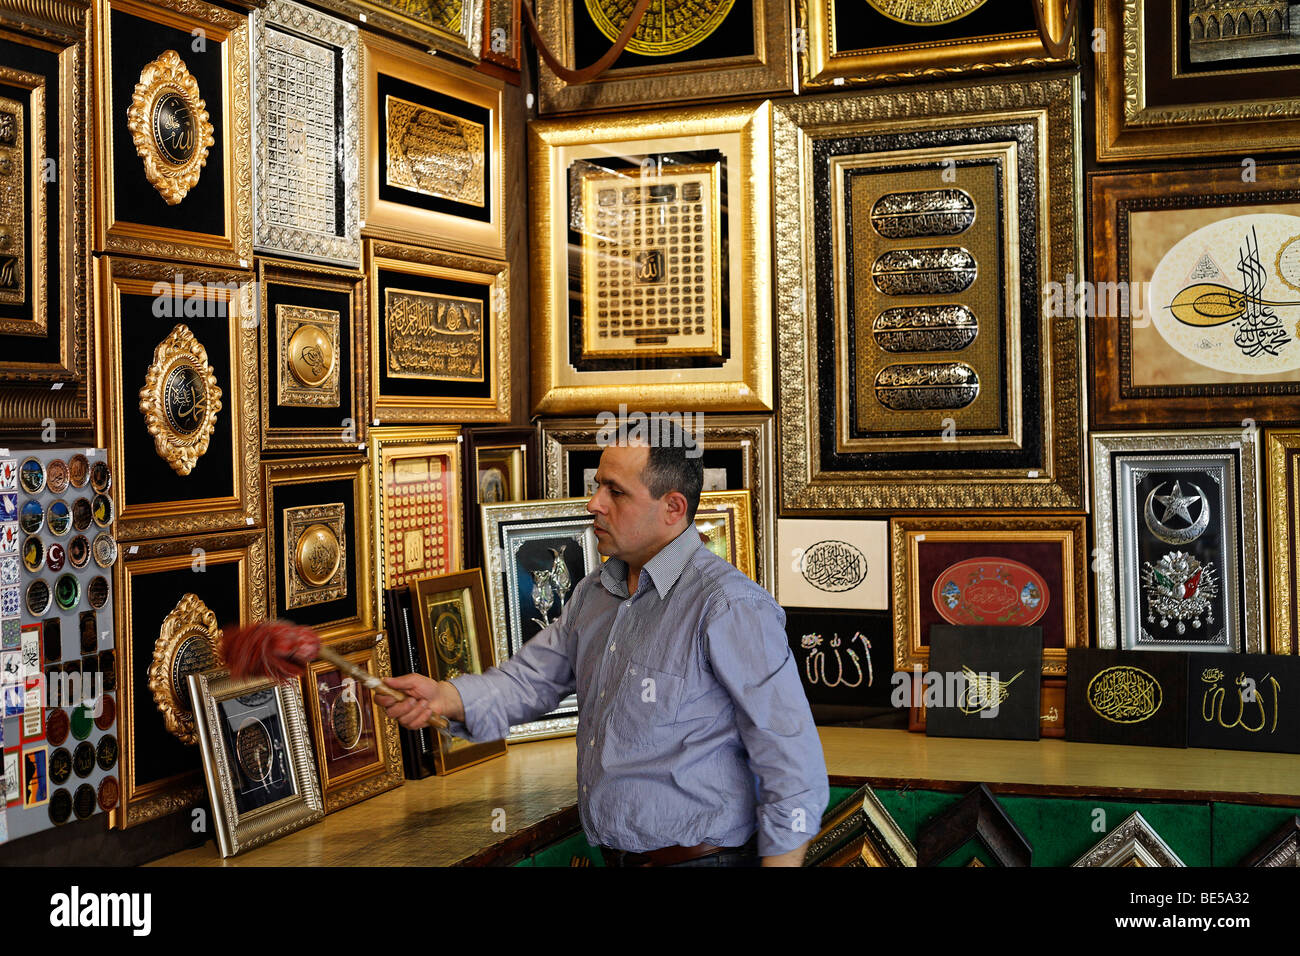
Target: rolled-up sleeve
{"x":522,"y":688}
{"x":750,"y":657}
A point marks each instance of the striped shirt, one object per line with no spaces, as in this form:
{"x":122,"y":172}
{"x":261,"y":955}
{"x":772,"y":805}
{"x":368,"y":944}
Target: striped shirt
{"x":692,"y":724}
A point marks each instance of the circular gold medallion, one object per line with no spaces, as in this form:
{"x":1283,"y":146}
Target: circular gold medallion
{"x":184,"y":396}
{"x":926,"y":12}
{"x":669,"y":26}
{"x":345,"y":722}
{"x":189,"y":642}
{"x":253,"y":748}
{"x":318,"y":555}
{"x":180,"y":400}
{"x":311,"y":356}
{"x":170,"y":126}
{"x":78,"y":470}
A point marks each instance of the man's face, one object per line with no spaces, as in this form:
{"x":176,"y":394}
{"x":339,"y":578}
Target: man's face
{"x":630,"y":523}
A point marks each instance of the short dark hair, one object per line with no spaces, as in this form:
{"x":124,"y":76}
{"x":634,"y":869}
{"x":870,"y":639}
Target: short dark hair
{"x":674,"y":464}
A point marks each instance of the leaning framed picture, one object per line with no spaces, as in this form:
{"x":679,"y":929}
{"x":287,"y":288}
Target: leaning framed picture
{"x":1196,"y":276}
{"x":702,"y":52}
{"x":888,"y":41}
{"x":975,"y":571}
{"x":921,"y":369}
{"x":46,"y":326}
{"x":451,"y":617}
{"x":535,"y":552}
{"x":1191,"y":78}
{"x":432,"y":155}
{"x":179,"y":402}
{"x":1282,"y":515}
{"x":1178,"y":541}
{"x":651,"y":261}
{"x":439,"y":336}
{"x":174,"y":178}
{"x":257,"y":759}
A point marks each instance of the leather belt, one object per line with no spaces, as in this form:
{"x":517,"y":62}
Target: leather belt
{"x":666,"y":856}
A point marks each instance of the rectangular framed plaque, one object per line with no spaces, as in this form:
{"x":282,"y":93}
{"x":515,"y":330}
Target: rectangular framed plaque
{"x":500,"y":464}
{"x":454,"y":27}
{"x":1282,"y":515}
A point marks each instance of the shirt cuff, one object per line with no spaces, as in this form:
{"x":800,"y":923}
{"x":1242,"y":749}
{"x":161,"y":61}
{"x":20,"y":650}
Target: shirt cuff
{"x":790,"y":824}
{"x":479,"y":725}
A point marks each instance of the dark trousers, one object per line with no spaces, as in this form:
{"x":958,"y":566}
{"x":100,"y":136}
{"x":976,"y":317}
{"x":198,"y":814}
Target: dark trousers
{"x":746,"y":855}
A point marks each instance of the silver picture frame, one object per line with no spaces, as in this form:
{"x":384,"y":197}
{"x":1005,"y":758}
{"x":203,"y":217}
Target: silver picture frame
{"x":1133,"y":843}
{"x":1228,"y":511}
{"x":299,"y":142}
{"x":508,"y":529}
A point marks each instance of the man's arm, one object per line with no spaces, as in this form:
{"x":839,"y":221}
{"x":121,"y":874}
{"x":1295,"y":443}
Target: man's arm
{"x":750,"y":657}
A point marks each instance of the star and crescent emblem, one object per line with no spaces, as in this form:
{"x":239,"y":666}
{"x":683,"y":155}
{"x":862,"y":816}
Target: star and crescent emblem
{"x":1177,"y":506}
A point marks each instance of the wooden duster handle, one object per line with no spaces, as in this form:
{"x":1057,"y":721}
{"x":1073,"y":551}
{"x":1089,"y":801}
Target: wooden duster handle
{"x":373,"y":682}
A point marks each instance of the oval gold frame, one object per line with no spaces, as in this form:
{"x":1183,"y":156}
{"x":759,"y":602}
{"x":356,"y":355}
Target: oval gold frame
{"x":190,"y":618}
{"x":168,"y":74}
{"x":182,"y":452}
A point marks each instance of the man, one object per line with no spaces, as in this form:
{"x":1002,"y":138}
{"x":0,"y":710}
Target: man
{"x":696,"y":746}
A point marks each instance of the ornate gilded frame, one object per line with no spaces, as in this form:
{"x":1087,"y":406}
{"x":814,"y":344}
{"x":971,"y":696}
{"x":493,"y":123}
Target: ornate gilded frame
{"x":1129,"y":127}
{"x":278,"y":238}
{"x":355,"y":407}
{"x":744,"y":381}
{"x":1283,"y":517}
{"x":767,"y":70}
{"x":859,"y":831}
{"x":142,"y":802}
{"x":463,"y":41}
{"x":388,"y":444}
{"x":63,"y":387}
{"x":389,"y":219}
{"x":1132,"y":843}
{"x":493,"y":277}
{"x":1056,"y":480}
{"x":238,"y":832}
{"x":119,"y":399}
{"x":369,"y":653}
{"x":749,"y":436}
{"x":303,"y":475}
{"x":907,"y":534}
{"x":1115,"y":579}
{"x":733,"y":508}
{"x":824,"y":64}
{"x":116,"y":232}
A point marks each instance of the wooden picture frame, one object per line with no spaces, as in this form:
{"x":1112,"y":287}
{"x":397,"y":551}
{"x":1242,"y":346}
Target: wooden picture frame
{"x":859,"y":831}
{"x":977,"y":818}
{"x":499,"y":464}
{"x":1282,"y":514}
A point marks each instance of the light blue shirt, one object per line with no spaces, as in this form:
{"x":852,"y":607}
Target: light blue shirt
{"x":692,"y":724}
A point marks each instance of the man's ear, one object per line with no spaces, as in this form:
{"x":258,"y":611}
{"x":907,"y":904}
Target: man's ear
{"x":677,"y":506}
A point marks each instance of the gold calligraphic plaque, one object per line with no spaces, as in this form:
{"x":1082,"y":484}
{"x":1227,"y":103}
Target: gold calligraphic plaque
{"x":651,"y":261}
{"x":309,"y":355}
{"x":13,"y":220}
{"x":170,"y":126}
{"x":180,"y":400}
{"x":668,"y":26}
{"x":189,"y":642}
{"x":438,"y":337}
{"x":315,"y":555}
{"x":926,"y":12}
{"x":435,"y":153}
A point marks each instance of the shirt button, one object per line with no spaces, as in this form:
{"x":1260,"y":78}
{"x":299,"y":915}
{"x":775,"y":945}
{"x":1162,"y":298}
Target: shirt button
{"x":631,"y":670}
{"x":602,"y":693}
{"x":584,"y":788}
{"x":611,"y":647}
{"x":592,"y":741}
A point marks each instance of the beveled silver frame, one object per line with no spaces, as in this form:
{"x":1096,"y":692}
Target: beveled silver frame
{"x":1132,"y":843}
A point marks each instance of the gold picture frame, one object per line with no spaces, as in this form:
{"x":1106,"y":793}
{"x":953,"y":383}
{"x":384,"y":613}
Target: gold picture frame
{"x":762,"y":65}
{"x":161,"y":203}
{"x":1050,"y":551}
{"x":312,"y":283}
{"x":727,"y":529}
{"x":459,"y":31}
{"x":322,"y":576}
{"x":141,"y":304}
{"x":839,"y":53}
{"x":153,"y":581}
{"x":46,"y":331}
{"x":1281,"y":448}
{"x":843,"y":449}
{"x":408,"y":498}
{"x":345,"y":780}
{"x":414,"y":197}
{"x":1154,"y":103}
{"x":645,"y":151}
{"x":435,"y":291}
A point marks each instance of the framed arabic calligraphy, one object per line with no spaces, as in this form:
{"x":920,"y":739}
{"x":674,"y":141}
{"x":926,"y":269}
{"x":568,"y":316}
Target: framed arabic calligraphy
{"x":1243,"y":702}
{"x":440,"y":336}
{"x":1282,"y":515}
{"x":885,"y":41}
{"x":845,"y":563}
{"x":992,"y":672}
{"x":845,"y":660}
{"x":179,"y":403}
{"x":1126,"y":697}
{"x":1197,"y":277}
{"x":920,"y":369}
{"x":1177,"y":521}
{"x":174,"y":178}
{"x":651,"y":261}
{"x":318,"y":526}
{"x":703,"y":49}
{"x":44,"y":219}
{"x":1186,"y":78}
{"x":991,"y":572}
{"x":432,"y":156}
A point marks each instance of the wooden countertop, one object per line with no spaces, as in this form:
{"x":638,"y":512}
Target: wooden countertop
{"x":441,"y":821}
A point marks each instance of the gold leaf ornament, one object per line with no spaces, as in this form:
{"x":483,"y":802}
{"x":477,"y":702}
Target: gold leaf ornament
{"x":170,"y":126}
{"x":189,"y":641}
{"x":180,"y":400}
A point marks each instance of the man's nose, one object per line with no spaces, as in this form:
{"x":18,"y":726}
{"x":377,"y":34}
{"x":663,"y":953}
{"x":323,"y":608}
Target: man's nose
{"x":592,"y":503}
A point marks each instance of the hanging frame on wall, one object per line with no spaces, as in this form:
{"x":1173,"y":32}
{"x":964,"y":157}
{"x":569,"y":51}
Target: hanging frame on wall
{"x":449,"y":26}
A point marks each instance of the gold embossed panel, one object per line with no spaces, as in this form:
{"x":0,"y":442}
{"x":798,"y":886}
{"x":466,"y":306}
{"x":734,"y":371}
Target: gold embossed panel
{"x":438,"y":337}
{"x":926,"y":12}
{"x":169,"y":123}
{"x":315,"y":555}
{"x":417,"y":517}
{"x":13,"y":224}
{"x":308,"y":355}
{"x":651,"y":262}
{"x":180,"y":400}
{"x":435,"y":153}
{"x":668,"y":26}
{"x":189,"y":642}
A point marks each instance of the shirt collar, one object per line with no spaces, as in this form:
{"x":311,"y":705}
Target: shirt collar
{"x":664,"y":568}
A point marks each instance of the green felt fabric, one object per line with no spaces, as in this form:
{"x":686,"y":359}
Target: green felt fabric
{"x":562,"y":853}
{"x":1237,"y":830}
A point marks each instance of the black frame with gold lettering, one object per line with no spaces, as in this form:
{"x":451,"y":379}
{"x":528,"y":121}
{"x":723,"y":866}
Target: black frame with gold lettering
{"x":485,"y":439}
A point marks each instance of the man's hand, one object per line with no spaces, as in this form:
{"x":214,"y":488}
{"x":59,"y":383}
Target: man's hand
{"x":425,"y":697}
{"x":791,"y":858}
